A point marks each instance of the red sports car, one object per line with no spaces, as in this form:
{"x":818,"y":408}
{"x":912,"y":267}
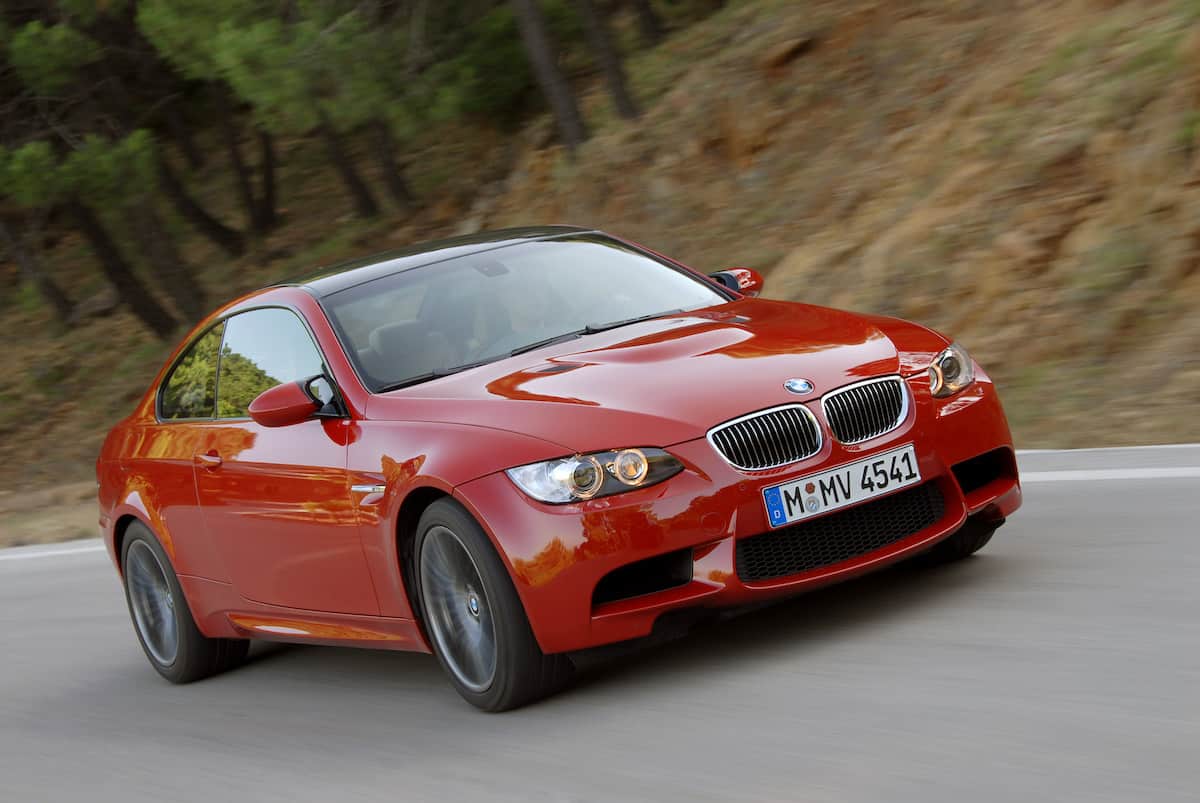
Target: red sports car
{"x":508,"y":447}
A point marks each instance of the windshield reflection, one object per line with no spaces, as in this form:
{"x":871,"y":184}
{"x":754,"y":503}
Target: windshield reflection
{"x":440,"y":319}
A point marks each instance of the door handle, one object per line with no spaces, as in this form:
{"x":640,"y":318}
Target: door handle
{"x":209,"y":460}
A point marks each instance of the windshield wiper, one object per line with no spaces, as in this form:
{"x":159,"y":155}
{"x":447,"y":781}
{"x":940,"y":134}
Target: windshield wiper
{"x":549,"y":341}
{"x":593,"y":328}
{"x":590,"y":329}
{"x":438,"y":374}
{"x":428,"y":375}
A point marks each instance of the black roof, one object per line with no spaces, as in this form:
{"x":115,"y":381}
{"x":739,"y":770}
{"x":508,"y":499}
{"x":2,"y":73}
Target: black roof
{"x":343,"y":275}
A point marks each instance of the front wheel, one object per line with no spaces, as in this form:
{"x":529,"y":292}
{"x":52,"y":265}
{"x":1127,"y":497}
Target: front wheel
{"x":161,"y":618}
{"x":473,"y":617}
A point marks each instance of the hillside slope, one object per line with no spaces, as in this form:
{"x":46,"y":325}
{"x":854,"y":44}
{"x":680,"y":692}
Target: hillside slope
{"x":1023,"y":176}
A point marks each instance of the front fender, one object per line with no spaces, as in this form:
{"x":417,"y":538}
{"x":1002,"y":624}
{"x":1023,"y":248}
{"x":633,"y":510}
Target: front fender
{"x":391,"y":460}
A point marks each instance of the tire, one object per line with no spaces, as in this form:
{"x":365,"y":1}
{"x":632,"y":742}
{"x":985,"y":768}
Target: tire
{"x":969,"y":539}
{"x":161,"y":618}
{"x":473,"y":618}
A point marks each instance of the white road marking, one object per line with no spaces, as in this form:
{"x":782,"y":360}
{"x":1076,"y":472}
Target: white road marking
{"x":90,"y":545}
{"x":1100,"y":474}
{"x":52,"y":550}
{"x":1111,"y":448}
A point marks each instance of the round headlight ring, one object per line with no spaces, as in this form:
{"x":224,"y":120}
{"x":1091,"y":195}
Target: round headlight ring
{"x":630,"y":466}
{"x":936,"y":380}
{"x":951,"y":371}
{"x":586,"y":477}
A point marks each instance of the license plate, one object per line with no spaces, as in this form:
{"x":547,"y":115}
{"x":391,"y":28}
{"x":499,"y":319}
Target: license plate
{"x":839,"y":487}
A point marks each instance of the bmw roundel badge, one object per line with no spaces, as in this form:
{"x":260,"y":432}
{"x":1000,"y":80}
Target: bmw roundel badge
{"x":799,"y":386}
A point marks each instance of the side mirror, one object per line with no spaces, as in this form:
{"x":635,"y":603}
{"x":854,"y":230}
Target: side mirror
{"x":284,"y":405}
{"x":741,"y":280}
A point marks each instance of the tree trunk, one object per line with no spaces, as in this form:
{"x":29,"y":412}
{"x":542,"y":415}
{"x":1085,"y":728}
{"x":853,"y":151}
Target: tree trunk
{"x":532,"y":24}
{"x":173,"y":274}
{"x":364,"y":202}
{"x":416,"y":35}
{"x":385,"y":152}
{"x":119,"y":272}
{"x":230,"y":240}
{"x":266,"y":207}
{"x":46,"y":287}
{"x":601,"y":43}
{"x":650,"y":25}
{"x":242,"y":178}
{"x":182,"y":134}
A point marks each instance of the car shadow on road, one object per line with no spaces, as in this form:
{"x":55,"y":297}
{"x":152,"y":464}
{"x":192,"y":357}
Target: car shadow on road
{"x":808,"y":621}
{"x":832,"y":614}
{"x":840,"y":613}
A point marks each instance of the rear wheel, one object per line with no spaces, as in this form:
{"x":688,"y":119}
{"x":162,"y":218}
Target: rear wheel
{"x":174,"y":645}
{"x":969,"y":539}
{"x":473,"y":617}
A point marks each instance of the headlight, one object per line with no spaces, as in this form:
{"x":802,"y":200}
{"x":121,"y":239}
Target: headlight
{"x":587,"y":476}
{"x":951,"y":371}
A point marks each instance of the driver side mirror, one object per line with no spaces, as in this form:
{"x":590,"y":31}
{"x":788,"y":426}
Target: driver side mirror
{"x":286,"y":404}
{"x":746,"y":281}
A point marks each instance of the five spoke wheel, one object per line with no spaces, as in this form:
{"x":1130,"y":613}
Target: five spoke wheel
{"x":473,"y":617}
{"x":459,"y":617}
{"x":151,"y":603}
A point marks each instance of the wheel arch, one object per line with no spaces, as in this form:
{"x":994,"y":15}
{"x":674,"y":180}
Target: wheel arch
{"x":120,"y":528}
{"x":414,"y":504}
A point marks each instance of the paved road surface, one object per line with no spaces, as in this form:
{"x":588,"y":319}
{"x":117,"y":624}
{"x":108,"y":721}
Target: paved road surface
{"x":1062,"y":664}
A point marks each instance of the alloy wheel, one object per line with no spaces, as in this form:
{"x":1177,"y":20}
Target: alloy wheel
{"x":152,"y":603}
{"x":457,"y":609}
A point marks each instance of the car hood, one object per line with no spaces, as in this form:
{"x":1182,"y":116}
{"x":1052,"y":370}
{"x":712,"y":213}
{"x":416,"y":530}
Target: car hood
{"x":669,"y":379}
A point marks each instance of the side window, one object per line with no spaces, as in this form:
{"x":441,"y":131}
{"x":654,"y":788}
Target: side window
{"x":263,"y":348}
{"x":189,"y":391}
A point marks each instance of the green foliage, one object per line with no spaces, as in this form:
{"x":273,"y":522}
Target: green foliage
{"x":102,"y":170}
{"x":261,"y":63}
{"x":241,"y":383}
{"x":490,"y":74}
{"x":326,"y":66}
{"x":191,"y":388}
{"x":183,"y":30}
{"x":48,"y":58}
{"x":99,"y":170}
{"x":88,"y":11}
{"x":30,"y":175}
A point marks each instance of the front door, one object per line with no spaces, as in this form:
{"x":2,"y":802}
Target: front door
{"x":276,"y":500}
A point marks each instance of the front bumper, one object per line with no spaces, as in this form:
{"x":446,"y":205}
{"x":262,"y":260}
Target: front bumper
{"x":558,"y":555}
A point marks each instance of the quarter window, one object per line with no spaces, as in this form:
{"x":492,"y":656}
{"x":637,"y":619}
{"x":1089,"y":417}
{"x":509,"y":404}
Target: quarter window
{"x":189,"y":391}
{"x":263,"y":348}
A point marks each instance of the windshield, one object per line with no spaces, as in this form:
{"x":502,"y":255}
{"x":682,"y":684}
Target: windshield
{"x":430,"y":321}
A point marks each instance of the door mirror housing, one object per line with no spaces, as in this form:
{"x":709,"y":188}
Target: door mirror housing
{"x":284,"y":405}
{"x":746,"y":281}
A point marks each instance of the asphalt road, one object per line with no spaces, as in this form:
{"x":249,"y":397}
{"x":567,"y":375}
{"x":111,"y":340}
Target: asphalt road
{"x":1061,"y":664}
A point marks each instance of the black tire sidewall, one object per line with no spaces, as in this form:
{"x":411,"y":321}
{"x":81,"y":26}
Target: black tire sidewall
{"x":515,"y":646}
{"x":190,"y":637}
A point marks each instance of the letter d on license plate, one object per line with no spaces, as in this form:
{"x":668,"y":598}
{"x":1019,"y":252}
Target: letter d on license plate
{"x":847,"y":484}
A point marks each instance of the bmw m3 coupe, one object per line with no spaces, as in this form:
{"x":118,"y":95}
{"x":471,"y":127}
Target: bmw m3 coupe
{"x":505,"y":448}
